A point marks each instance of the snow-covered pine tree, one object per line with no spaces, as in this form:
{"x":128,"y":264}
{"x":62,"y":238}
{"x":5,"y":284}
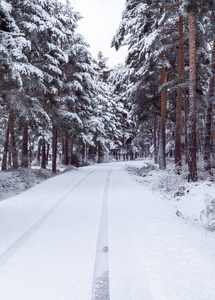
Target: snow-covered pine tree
{"x":195,"y":11}
{"x":127,"y":131}
{"x":15,"y":69}
{"x":78,"y":95}
{"x":151,"y":36}
{"x":157,"y":35}
{"x":208,"y":20}
{"x":45,"y":24}
{"x":108,"y":135}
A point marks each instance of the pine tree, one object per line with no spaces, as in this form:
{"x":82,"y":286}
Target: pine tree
{"x":151,"y":39}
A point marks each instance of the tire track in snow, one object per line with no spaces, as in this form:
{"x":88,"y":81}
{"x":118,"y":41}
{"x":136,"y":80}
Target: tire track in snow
{"x":11,"y":250}
{"x":101,"y":290}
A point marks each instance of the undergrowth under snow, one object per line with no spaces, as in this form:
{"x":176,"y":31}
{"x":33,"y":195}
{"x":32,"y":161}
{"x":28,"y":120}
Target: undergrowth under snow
{"x":13,"y":182}
{"x":193,"y":202}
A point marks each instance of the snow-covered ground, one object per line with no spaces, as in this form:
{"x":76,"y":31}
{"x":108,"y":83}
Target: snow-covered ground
{"x":100,"y":233}
{"x":13,"y":182}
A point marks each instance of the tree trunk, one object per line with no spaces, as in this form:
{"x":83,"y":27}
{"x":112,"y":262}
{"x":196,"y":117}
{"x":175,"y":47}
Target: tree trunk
{"x":63,"y":150}
{"x":208,"y":125}
{"x":155,"y":140}
{"x":213,"y":145}
{"x":207,"y":141}
{"x":192,"y":101}
{"x":10,"y":132}
{"x":39,"y":152}
{"x":54,"y":150}
{"x":47,"y":154}
{"x":31,"y":154}
{"x":71,"y":151}
{"x":185,"y":128}
{"x":24,"y":157}
{"x":10,"y":153}
{"x":6,"y":145}
{"x":162,"y":143}
{"x":99,"y":153}
{"x":43,"y":163}
{"x":66,"y":153}
{"x":13,"y":142}
{"x":178,"y":157}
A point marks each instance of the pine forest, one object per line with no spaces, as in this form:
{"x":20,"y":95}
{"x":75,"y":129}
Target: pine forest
{"x":60,"y":103}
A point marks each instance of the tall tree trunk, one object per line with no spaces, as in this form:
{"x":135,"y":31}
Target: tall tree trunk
{"x":71,"y":153}
{"x":155,"y":140}
{"x":178,"y":157}
{"x":47,"y":154}
{"x":158,"y":137}
{"x":54,"y":149}
{"x":10,"y":132}
{"x":10,"y":153}
{"x":39,"y":151}
{"x":213,"y":145}
{"x":6,"y":145}
{"x":207,"y":141}
{"x":66,"y":154}
{"x":162,"y":143}
{"x":43,"y":163}
{"x":208,"y":125}
{"x":192,"y":101}
{"x":24,"y":157}
{"x":63,"y":150}
{"x":100,"y":153}
{"x":31,"y":154}
{"x":185,"y":127}
{"x":13,"y":141}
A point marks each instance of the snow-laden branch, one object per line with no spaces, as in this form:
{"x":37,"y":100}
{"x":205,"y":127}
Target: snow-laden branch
{"x":13,"y":34}
{"x":168,"y":5}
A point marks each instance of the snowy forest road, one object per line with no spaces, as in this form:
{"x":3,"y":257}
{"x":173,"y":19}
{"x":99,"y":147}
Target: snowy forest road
{"x":57,"y":252}
{"x":96,"y":234}
{"x":10,"y":251}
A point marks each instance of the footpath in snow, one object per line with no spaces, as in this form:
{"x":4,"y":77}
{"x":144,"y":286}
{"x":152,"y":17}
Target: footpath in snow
{"x":97,"y":234}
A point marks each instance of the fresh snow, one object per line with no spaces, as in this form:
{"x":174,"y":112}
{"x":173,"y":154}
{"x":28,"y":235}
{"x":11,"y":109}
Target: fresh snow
{"x":100,"y":233}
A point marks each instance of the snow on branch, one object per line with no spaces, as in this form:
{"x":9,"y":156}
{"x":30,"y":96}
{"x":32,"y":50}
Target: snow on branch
{"x":168,"y":5}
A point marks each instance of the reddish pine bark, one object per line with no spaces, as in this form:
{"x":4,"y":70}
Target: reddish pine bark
{"x":185,"y":128}
{"x":162,"y":143}
{"x":155,"y":140}
{"x":178,"y":156}
{"x":208,"y":123}
{"x":192,"y":166}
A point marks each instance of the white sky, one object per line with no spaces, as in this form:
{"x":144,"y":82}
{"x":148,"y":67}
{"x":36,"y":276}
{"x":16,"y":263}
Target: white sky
{"x":101,"y":19}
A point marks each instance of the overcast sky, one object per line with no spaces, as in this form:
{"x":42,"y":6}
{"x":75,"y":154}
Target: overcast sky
{"x":100,"y":21}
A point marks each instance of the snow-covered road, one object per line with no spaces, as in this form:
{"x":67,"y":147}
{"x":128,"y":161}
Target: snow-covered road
{"x":96,"y":234}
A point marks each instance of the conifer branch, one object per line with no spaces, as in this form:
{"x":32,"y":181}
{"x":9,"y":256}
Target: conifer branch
{"x":13,"y":34}
{"x":168,"y":5}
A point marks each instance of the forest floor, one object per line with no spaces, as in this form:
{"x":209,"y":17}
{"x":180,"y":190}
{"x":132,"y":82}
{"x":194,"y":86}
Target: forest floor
{"x":115,"y":231}
{"x":13,"y":182}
